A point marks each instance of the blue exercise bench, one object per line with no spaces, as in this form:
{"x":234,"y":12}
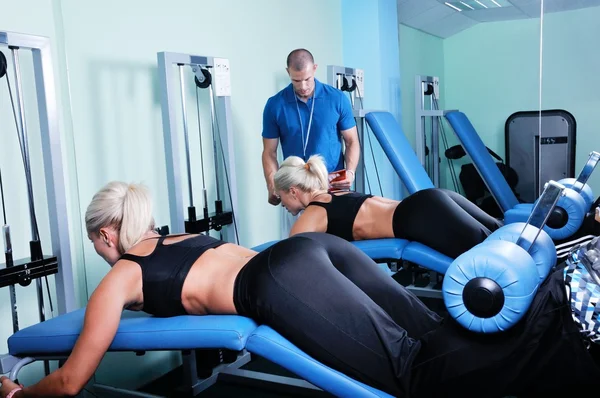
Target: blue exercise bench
{"x":487,"y":290}
{"x":572,"y":207}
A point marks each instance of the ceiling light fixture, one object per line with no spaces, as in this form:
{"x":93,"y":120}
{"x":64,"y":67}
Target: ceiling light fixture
{"x":481,"y":4}
{"x":496,"y":3}
{"x":452,"y":6}
{"x":466,"y":5}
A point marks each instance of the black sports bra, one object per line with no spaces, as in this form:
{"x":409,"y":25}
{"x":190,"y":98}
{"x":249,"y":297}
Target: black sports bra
{"x":341,"y":213}
{"x":165,"y":269}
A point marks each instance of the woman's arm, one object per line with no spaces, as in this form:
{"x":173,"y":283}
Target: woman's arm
{"x":120,"y":287}
{"x":314,"y":219}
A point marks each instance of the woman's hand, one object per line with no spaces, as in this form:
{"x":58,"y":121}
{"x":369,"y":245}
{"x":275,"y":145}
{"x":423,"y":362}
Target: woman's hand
{"x":7,"y":386}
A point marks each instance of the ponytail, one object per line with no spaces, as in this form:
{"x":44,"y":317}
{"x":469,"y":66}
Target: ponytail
{"x":125,"y":207}
{"x":308,"y":177}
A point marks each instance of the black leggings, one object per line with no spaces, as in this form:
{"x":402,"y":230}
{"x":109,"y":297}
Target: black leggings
{"x":336,"y":304}
{"x":333,"y":302}
{"x":442,"y":220}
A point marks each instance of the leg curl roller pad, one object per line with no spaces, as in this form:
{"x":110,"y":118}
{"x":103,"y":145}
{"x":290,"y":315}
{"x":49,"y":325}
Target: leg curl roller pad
{"x":489,"y":288}
{"x":543,"y":250}
{"x":586,"y":192}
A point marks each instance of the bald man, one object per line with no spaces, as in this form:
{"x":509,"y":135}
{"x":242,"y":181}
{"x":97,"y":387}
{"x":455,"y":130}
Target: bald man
{"x":309,"y":118}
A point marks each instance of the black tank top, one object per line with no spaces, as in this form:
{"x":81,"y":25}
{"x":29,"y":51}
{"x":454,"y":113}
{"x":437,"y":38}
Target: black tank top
{"x":341,"y":213}
{"x":165,"y":269}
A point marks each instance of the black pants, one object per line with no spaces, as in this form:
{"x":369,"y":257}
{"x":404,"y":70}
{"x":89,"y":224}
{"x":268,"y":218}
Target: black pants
{"x":337,"y":305}
{"x":443,"y":220}
{"x":332,"y":301}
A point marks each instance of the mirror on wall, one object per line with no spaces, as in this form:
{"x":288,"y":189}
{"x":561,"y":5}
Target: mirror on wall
{"x":484,"y":56}
{"x":569,"y":99}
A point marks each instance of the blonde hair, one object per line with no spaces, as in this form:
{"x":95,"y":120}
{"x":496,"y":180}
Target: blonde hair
{"x":124,"y":207}
{"x":307,"y":176}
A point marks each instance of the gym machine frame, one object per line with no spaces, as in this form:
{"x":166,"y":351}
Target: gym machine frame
{"x":428,"y":86}
{"x":221,"y":120}
{"x":54,"y":176}
{"x":38,"y":265}
{"x":337,"y":76}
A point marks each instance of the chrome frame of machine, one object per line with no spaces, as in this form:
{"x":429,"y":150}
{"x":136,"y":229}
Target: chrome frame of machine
{"x":172,"y":96}
{"x":39,"y":265}
{"x":52,"y":156}
{"x":337,"y":76}
{"x":426,"y":109}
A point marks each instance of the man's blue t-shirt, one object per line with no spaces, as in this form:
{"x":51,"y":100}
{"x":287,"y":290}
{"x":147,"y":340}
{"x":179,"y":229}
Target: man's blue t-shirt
{"x":332,"y":114}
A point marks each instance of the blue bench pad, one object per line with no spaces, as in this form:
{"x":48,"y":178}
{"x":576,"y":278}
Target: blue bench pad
{"x":137,"y":331}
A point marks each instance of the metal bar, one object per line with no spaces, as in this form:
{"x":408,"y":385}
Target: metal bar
{"x":242,"y":359}
{"x":587,"y":170}
{"x":419,"y":122}
{"x":433,"y":113}
{"x":171,"y":141}
{"x":23,"y":138}
{"x":114,"y":392}
{"x":540,"y":214}
{"x":186,"y":133}
{"x":54,"y":173}
{"x":214,"y":132}
{"x":14,"y":372}
{"x":426,"y":291}
{"x":435,"y":150}
{"x":281,"y":384}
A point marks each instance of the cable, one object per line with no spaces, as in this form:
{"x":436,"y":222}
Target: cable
{"x":201,"y":155}
{"x":445,"y":143}
{"x":27,"y":170}
{"x":2,"y":197}
{"x":375,"y":164}
{"x":365,"y":174}
{"x":371,"y":147}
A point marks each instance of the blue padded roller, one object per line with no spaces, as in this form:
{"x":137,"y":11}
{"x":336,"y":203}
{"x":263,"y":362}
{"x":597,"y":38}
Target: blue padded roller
{"x":572,"y":202}
{"x":137,"y":331}
{"x":515,"y":271}
{"x":269,"y":344}
{"x":505,"y":263}
{"x":586,"y":191}
{"x":482,"y":160}
{"x":398,"y":150}
{"x":543,"y":250}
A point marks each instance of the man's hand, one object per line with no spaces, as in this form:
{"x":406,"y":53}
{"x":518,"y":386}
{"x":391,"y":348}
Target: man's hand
{"x":344,"y":184}
{"x":274,"y":199}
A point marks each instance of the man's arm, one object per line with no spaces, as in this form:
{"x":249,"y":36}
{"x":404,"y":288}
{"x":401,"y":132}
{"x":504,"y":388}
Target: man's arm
{"x":347,"y":127}
{"x":270,"y":136}
{"x":351,"y":157}
{"x":270,"y":166}
{"x":352,"y":153}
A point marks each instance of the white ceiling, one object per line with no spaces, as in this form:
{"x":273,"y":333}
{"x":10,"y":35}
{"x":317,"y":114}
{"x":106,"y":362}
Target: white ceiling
{"x":436,"y":18}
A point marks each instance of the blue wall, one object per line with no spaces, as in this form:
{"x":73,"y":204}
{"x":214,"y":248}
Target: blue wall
{"x":370,"y":42}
